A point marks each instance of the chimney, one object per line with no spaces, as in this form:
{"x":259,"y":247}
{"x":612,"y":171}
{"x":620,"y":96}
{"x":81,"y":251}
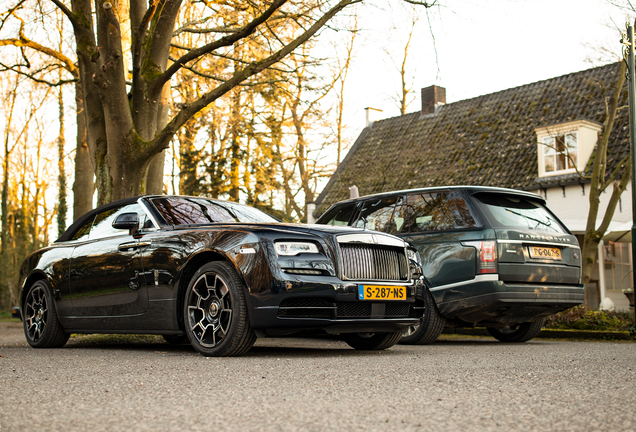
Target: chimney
{"x":432,"y":97}
{"x":370,"y":116}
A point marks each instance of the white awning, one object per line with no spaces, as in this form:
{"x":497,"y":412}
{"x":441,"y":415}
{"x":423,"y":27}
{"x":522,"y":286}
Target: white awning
{"x":616,"y":232}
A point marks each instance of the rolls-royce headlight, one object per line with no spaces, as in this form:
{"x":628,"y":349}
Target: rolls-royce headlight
{"x":294,"y":248}
{"x":413,"y":255}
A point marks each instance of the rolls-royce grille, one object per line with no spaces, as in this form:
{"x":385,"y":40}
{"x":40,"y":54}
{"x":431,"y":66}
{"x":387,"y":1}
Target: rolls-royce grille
{"x":371,"y":262}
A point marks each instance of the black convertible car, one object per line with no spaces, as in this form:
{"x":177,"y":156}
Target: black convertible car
{"x":219,"y":275}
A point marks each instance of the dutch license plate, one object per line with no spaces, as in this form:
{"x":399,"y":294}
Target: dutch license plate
{"x":379,"y":292}
{"x":545,"y":253}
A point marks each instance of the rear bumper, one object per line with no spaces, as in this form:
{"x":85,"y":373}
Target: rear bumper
{"x":496,"y":302}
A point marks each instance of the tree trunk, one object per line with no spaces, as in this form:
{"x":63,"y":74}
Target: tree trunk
{"x":5,"y":182}
{"x":154,"y":180}
{"x":84,"y":185}
{"x":235,"y":144}
{"x":62,"y":206}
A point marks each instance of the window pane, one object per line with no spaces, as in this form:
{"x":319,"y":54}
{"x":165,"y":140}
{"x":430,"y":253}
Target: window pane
{"x":549,"y":163}
{"x":83,"y":231}
{"x":103,"y":225}
{"x":572,"y":146}
{"x":377,"y":214}
{"x":560,"y":161}
{"x":339,"y":215}
{"x":512,"y":211}
{"x":548,"y":148}
{"x":439,"y":211}
{"x":197,"y":211}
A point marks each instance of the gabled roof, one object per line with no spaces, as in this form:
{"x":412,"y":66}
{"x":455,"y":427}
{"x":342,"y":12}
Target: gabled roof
{"x":489,"y":140}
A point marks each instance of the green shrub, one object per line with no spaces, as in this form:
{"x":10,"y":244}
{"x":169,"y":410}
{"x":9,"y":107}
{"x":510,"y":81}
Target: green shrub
{"x":583,"y":318}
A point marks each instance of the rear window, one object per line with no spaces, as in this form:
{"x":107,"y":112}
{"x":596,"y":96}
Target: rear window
{"x":513,"y":211}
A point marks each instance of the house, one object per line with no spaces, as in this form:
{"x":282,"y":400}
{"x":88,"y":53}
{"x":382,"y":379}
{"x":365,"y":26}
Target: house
{"x":506,"y":139}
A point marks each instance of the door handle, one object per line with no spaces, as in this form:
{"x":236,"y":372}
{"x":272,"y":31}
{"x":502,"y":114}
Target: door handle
{"x":133,"y":245}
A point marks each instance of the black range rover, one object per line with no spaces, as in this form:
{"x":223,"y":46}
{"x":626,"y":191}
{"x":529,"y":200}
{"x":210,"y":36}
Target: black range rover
{"x":491,"y":257}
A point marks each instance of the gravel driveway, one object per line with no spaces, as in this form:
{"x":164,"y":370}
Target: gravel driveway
{"x":322,"y":384}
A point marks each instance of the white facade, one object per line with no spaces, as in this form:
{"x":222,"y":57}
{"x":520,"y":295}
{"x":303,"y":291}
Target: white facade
{"x":613,"y":271}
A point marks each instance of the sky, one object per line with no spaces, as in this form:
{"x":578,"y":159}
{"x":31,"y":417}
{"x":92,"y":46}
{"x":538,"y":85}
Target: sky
{"x":480,"y":47}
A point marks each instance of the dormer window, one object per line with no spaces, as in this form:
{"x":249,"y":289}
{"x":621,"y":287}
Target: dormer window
{"x":565,"y":147}
{"x":560,"y":152}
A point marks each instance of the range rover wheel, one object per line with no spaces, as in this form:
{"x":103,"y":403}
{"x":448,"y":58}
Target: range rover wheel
{"x":215,"y":312}
{"x":41,"y":325}
{"x":430,"y":327}
{"x":522,"y":332}
{"x":372,"y":341}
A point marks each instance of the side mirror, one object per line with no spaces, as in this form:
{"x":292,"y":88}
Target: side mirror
{"x":129,"y":221}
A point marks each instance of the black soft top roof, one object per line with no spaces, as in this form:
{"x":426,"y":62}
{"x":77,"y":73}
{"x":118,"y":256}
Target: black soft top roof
{"x":80,"y":220}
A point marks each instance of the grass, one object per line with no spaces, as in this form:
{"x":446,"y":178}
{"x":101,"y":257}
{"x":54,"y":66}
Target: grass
{"x":583,"y":318}
{"x":115,"y":339}
{"x":5,"y":316}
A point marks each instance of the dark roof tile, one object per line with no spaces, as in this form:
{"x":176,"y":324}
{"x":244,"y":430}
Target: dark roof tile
{"x":488,"y":140}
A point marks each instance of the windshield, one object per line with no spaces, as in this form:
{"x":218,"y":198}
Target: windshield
{"x":513,"y":211}
{"x":197,"y":211}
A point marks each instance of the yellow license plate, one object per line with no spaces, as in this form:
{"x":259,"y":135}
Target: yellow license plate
{"x":545,"y":253}
{"x":379,"y":292}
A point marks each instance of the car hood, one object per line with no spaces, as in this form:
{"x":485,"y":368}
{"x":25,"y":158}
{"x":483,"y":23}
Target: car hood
{"x":347,"y":233}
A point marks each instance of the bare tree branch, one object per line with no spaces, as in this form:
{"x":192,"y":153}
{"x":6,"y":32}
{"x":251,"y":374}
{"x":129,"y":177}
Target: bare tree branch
{"x":67,"y":12}
{"x":226,"y":41}
{"x":32,"y":76}
{"x":421,"y":3}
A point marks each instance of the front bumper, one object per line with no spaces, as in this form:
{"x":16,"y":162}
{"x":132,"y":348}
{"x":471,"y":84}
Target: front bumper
{"x":500,"y":303}
{"x":333,"y":308}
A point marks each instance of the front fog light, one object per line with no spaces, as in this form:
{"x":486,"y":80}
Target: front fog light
{"x":294,"y":248}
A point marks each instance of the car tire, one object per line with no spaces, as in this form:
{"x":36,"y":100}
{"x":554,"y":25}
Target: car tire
{"x":174,"y":339}
{"x":215,"y":312}
{"x":372,"y":341}
{"x":41,"y":325}
{"x":430,"y":327}
{"x":522,"y":332}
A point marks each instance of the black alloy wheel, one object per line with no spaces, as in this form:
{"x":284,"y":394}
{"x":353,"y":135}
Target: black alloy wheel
{"x":522,"y":332}
{"x":41,"y":325}
{"x":215,"y":312}
{"x":372,"y":341}
{"x":429,"y":328}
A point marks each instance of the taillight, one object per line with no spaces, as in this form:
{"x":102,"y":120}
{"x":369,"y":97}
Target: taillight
{"x":486,"y":255}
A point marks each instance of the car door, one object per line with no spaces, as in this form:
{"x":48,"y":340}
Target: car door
{"x":385,"y":214}
{"x":105,"y":270}
{"x":440,"y":222}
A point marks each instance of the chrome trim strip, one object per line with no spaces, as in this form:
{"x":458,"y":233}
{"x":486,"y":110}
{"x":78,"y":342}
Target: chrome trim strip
{"x":379,"y":239}
{"x":146,"y":209}
{"x":478,"y":278}
{"x":537,"y":242}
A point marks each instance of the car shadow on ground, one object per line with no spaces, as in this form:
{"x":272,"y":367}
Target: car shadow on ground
{"x":264,"y":347}
{"x":270,"y":347}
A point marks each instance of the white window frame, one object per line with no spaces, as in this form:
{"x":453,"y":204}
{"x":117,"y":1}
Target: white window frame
{"x":570,"y":153}
{"x":586,"y":133}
